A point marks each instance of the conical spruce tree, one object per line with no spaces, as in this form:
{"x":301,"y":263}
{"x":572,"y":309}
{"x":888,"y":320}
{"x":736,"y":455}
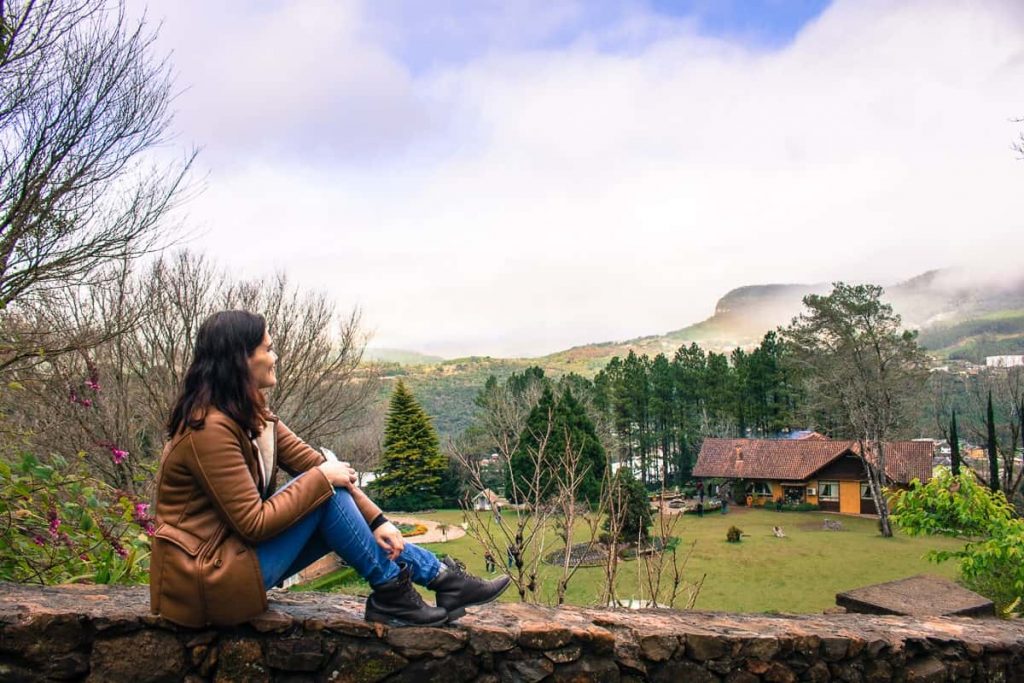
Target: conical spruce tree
{"x":412,"y":466}
{"x":555,"y":430}
{"x":534,"y":445}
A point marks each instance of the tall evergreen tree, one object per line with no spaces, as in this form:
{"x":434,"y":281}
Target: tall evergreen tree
{"x":554,"y":430}
{"x":534,"y":448}
{"x":412,"y":467}
{"x":993,"y":458}
{"x":954,"y":445}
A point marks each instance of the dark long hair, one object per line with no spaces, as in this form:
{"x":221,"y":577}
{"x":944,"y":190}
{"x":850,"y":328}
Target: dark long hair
{"x":219,"y":374}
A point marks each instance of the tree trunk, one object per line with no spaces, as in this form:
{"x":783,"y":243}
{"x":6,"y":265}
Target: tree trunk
{"x":876,"y":483}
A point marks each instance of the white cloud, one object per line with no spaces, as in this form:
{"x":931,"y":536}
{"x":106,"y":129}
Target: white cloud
{"x":526,"y":201}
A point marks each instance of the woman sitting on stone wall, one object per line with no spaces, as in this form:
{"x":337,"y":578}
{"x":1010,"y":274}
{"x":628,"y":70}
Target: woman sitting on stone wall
{"x":224,"y":536}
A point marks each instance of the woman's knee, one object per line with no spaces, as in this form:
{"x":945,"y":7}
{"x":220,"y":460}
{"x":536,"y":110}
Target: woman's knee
{"x":342,"y":500}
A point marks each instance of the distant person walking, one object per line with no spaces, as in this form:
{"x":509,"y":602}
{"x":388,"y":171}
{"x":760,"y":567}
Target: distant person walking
{"x":489,"y":562}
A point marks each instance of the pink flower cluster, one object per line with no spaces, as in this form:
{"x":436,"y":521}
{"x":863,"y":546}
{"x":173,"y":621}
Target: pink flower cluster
{"x":118,"y":455}
{"x":93,"y":382}
{"x":143,"y":519}
{"x":75,"y":398}
{"x":54,"y":522}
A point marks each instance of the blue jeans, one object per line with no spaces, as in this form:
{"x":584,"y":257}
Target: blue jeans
{"x":338,"y":526}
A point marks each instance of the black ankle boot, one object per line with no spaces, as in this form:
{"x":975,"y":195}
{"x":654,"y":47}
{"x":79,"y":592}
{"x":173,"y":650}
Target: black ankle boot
{"x":397,"y":603}
{"x":456,"y":589}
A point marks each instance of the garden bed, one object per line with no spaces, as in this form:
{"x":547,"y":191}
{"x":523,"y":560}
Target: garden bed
{"x":596,"y":554}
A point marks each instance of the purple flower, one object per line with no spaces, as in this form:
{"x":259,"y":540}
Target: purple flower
{"x":118,"y":454}
{"x":94,"y":376}
{"x":54,"y":522}
{"x":141,"y":512}
{"x":38,"y":540}
{"x":73,"y":397}
{"x":119,"y":549}
{"x":148,"y":528}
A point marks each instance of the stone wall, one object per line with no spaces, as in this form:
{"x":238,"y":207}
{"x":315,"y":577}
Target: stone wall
{"x":107,"y":634}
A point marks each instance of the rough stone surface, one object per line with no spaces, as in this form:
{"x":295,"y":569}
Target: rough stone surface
{"x":98,"y":633}
{"x":918,"y":596}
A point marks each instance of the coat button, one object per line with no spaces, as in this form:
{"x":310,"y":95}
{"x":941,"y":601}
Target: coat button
{"x":217,"y":562}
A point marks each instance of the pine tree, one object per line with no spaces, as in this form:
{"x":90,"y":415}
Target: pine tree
{"x":954,"y":446}
{"x":554,"y":429}
{"x":412,"y":466}
{"x":993,"y":459}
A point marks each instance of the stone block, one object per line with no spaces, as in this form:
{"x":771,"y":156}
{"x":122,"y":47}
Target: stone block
{"x":141,"y":657}
{"x":544,"y":635}
{"x":416,"y":641}
{"x":676,"y":670}
{"x":295,"y":654}
{"x":926,"y":670}
{"x":564,"y":655}
{"x":658,"y":648}
{"x":241,"y":661}
{"x":704,"y":647}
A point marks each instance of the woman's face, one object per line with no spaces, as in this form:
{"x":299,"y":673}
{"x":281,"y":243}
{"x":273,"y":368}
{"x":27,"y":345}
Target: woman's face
{"x":262,"y":362}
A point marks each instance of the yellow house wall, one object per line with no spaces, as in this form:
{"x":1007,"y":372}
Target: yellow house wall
{"x":849,"y":497}
{"x":776,"y":491}
{"x":813,"y":500}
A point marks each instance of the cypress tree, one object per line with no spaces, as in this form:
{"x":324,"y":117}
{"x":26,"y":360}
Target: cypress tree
{"x":954,"y":446}
{"x":565,"y":425}
{"x":412,"y":466}
{"x":993,"y":462}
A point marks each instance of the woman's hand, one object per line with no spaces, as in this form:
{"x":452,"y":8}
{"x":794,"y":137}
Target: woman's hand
{"x":390,"y":539}
{"x":339,"y":473}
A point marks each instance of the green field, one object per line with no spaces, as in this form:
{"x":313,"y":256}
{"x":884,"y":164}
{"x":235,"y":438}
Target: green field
{"x":800,"y":573}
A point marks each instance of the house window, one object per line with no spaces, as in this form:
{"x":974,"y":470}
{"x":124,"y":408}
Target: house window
{"x":762,"y":488}
{"x":828,"y":490}
{"x":865,"y":492}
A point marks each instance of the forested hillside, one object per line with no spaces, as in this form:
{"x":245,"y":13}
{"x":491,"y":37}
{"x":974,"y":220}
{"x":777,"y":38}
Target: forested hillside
{"x":958,"y":318}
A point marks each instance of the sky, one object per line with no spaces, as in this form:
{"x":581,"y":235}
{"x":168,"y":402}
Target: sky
{"x":514,"y":178}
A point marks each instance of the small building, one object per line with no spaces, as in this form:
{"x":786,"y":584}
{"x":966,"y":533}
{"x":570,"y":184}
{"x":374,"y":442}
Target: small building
{"x":822,"y":472}
{"x":487,"y":500}
{"x":1004,"y":361}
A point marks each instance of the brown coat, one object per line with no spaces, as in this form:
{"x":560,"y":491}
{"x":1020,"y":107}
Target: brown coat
{"x":210,"y":515}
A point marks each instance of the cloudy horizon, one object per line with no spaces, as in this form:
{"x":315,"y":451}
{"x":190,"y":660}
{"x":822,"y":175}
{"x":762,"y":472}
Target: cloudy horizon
{"x":513,"y":179}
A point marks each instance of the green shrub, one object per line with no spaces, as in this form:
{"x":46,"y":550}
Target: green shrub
{"x":59,"y":524}
{"x":734,"y":534}
{"x":959,"y":506}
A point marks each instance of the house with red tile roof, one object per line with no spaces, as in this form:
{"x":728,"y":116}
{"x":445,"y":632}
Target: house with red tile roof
{"x":819,"y":471}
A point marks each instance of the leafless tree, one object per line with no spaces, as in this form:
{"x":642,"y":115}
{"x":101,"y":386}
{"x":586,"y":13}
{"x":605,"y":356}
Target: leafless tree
{"x":115,"y":395}
{"x":321,"y":386}
{"x":568,"y":478}
{"x":83,"y":106}
{"x":362,"y":445}
{"x":661,"y":571}
{"x":522,"y":540}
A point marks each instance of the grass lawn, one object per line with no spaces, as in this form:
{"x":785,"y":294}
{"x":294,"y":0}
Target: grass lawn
{"x":799,"y":573}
